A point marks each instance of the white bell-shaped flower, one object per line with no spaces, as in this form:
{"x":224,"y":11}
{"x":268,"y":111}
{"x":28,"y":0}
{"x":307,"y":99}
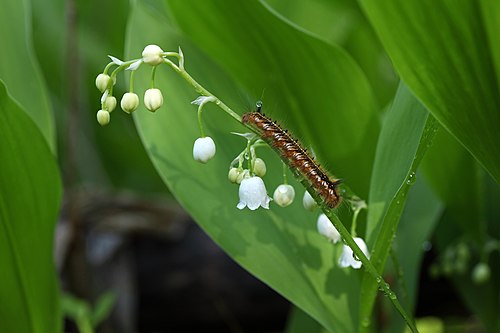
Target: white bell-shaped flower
{"x":103,"y":117}
{"x":309,"y":202}
{"x":153,"y":99}
{"x":284,"y":195}
{"x":253,"y":194}
{"x":151,"y":55}
{"x":109,"y":103}
{"x":347,"y":257}
{"x":103,"y":82}
{"x":204,"y":149}
{"x":129,"y":102}
{"x":327,"y":229}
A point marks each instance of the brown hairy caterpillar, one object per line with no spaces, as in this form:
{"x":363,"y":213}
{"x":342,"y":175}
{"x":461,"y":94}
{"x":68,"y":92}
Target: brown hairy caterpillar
{"x":294,"y":155}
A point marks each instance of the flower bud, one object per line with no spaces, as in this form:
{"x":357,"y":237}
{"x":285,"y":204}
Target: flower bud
{"x":152,"y":55}
{"x":242,"y":175}
{"x":308,"y":202}
{"x":129,"y":102}
{"x":109,"y":103}
{"x":103,"y":117}
{"x":103,"y":82}
{"x":233,"y":174}
{"x":153,"y":99}
{"x":481,"y":273}
{"x":259,"y":167}
{"x":284,"y":195}
{"x":204,"y":149}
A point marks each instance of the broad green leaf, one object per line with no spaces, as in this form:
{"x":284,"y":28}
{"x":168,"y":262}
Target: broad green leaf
{"x":441,"y":50}
{"x":19,"y":69}
{"x":280,"y":246}
{"x":30,"y":191}
{"x":342,"y":22}
{"x":299,"y":322}
{"x":406,"y":133}
{"x":315,"y":89}
{"x":445,"y":166}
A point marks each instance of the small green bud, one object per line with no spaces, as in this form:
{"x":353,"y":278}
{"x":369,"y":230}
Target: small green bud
{"x":153,"y":99}
{"x":103,"y":82}
{"x":129,"y":102}
{"x":152,"y":55}
{"x":103,"y":117}
{"x":259,"y":167}
{"x":233,"y":175}
{"x":481,"y":273}
{"x":109,"y":103}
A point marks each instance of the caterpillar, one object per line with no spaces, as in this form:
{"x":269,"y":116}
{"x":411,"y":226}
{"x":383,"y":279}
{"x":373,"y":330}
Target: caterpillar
{"x":294,"y":155}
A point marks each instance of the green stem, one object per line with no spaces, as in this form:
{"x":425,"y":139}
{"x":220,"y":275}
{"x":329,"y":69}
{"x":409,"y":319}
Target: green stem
{"x":200,"y":124}
{"x":153,"y":73}
{"x":382,"y":285}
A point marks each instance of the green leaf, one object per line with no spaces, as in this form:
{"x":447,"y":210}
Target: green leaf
{"x":30,"y":191}
{"x":19,"y":69}
{"x":103,"y":307}
{"x":299,"y":322}
{"x":406,"y":133}
{"x":441,"y":50}
{"x":313,"y":83}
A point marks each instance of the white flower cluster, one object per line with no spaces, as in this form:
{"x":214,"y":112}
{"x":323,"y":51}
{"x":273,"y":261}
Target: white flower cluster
{"x":153,"y":98}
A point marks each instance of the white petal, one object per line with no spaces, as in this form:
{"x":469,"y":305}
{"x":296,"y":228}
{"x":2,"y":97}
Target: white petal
{"x":253,"y":194}
{"x":204,"y":149}
{"x":248,"y":136}
{"x":327,"y":229}
{"x":308,"y":202}
{"x":104,"y":96}
{"x":133,"y":66}
{"x":116,"y":60}
{"x":347,"y":257}
{"x":200,"y":100}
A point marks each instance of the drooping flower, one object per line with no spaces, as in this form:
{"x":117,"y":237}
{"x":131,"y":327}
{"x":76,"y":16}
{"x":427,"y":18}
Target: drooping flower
{"x":253,"y":194}
{"x":308,"y":202}
{"x":129,"y":102}
{"x":153,"y":99}
{"x":204,"y":149}
{"x":109,"y":103}
{"x":347,"y":257}
{"x":327,"y":229}
{"x":103,"y":117}
{"x":103,"y":82}
{"x":284,"y":195}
